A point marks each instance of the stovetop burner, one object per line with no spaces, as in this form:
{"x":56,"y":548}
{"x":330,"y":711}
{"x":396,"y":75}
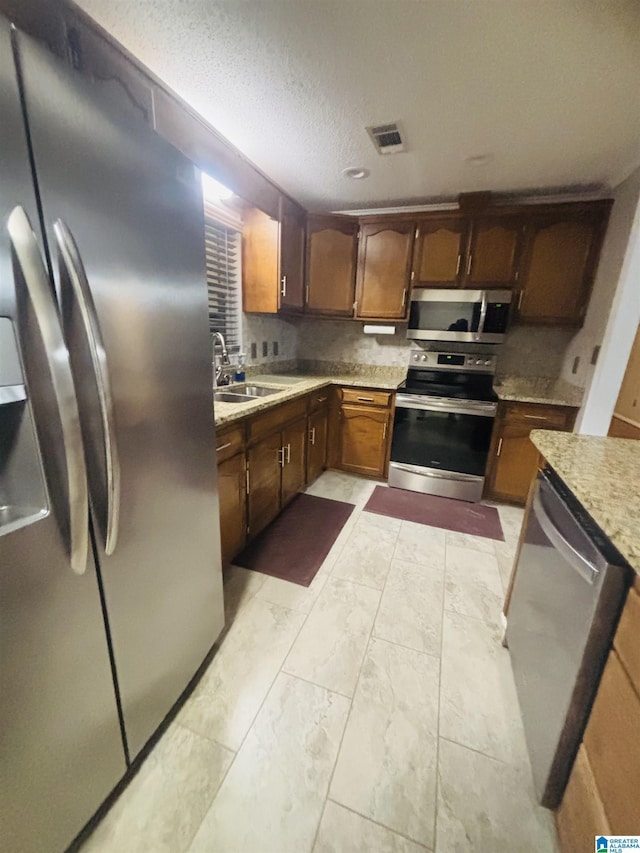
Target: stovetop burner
{"x":462,"y":376}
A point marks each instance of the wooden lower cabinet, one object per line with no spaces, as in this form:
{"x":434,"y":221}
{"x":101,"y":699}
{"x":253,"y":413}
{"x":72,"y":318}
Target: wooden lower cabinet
{"x":581,"y":816}
{"x":513,"y":459}
{"x":603,"y":793}
{"x":317,"y":443}
{"x":294,"y":440}
{"x":264,"y":467}
{"x":363,"y":440}
{"x":232,"y":499}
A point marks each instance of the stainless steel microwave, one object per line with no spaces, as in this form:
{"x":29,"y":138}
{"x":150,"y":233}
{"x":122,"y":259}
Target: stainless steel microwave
{"x":470,"y":316}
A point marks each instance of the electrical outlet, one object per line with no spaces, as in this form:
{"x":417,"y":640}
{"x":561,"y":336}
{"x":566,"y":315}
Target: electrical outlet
{"x":576,"y":362}
{"x":276,"y":348}
{"x":254,"y":351}
{"x":265,"y":349}
{"x":595,"y":354}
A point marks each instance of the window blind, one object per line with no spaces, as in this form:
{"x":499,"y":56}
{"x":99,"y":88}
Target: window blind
{"x":222,"y":251}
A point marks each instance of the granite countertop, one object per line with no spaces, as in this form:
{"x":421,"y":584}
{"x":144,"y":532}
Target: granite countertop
{"x":290,"y":387}
{"x":554,"y":392}
{"x":603,"y":474}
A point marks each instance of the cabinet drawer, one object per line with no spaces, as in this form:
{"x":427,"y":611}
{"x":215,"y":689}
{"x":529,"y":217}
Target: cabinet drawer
{"x":229,"y":442}
{"x":275,"y":419}
{"x":627,"y":639}
{"x":613,"y":745}
{"x":319,"y":398}
{"x":365,"y":397}
{"x":581,"y":814}
{"x":537,"y":416}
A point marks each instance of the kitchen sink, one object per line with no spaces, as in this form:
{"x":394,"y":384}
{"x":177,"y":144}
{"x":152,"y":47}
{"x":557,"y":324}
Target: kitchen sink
{"x":251,"y":391}
{"x":231,"y":397}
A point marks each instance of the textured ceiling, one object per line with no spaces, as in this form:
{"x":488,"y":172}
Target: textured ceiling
{"x":549,"y":88}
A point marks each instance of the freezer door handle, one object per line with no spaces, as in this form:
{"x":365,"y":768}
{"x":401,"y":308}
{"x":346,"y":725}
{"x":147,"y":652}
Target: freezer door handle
{"x":587,"y":570}
{"x":82,"y":332}
{"x":34,"y":291}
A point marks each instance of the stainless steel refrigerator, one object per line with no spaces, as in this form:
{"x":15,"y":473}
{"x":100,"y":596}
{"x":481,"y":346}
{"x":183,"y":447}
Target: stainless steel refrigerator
{"x":110,"y":571}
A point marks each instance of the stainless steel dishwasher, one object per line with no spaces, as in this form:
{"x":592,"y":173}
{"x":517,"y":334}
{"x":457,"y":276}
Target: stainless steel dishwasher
{"x":569,"y":589}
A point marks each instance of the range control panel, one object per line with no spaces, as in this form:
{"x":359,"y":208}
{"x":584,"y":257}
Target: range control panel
{"x":464,"y":362}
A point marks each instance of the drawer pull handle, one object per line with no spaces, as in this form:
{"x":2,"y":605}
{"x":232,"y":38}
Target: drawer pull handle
{"x":365,"y":399}
{"x":322,"y":399}
{"x":535,"y":417}
{"x":223,"y":446}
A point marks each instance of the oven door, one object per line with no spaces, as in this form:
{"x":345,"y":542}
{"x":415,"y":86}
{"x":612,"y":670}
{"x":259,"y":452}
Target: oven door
{"x":440,"y":445}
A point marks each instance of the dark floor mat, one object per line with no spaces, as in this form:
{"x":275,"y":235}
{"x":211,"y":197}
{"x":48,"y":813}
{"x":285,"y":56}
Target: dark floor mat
{"x":295,"y":544}
{"x":463,"y":517}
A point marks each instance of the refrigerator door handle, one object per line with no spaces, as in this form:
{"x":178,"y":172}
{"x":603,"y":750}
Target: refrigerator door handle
{"x":33,"y":285}
{"x":75,"y":291}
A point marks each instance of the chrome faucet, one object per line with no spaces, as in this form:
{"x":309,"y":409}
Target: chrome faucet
{"x":218,"y":368}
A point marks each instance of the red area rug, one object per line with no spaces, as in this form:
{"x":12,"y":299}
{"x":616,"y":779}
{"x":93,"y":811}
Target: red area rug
{"x":295,"y":544}
{"x":463,"y":517}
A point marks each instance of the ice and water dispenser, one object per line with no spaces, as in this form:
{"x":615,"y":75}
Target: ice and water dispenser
{"x":23,"y":495}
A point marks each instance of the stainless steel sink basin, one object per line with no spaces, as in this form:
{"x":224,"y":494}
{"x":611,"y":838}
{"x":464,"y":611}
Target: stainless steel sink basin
{"x":230,"y":397}
{"x":255,"y":391}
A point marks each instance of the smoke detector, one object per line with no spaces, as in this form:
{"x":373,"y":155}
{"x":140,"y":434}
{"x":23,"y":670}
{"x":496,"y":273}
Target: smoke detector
{"x":387,"y":138}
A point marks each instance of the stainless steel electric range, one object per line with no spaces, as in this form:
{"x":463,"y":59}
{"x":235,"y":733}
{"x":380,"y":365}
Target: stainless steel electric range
{"x":443,"y":422}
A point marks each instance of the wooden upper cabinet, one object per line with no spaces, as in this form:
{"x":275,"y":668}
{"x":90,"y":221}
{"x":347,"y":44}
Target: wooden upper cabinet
{"x":260,"y":262}
{"x":439,"y":252}
{"x":332,"y":248}
{"x":292,"y":228}
{"x":273,"y":260}
{"x":493,"y":253}
{"x":384,"y":267}
{"x":559,"y":264}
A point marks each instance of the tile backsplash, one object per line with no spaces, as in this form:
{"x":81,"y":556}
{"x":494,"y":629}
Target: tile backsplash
{"x":279,"y":337}
{"x":529,"y":351}
{"x":344,"y":340}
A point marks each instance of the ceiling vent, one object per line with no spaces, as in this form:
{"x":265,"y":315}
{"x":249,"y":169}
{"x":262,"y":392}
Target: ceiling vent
{"x":387,"y":138}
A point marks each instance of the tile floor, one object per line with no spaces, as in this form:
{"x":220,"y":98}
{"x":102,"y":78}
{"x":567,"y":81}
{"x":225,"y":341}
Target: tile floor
{"x":374,"y":711}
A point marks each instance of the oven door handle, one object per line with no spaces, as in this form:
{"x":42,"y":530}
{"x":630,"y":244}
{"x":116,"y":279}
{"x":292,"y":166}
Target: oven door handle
{"x":447,"y":405}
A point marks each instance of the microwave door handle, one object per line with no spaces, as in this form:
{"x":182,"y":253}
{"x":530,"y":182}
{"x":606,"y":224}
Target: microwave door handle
{"x":483,"y":313}
{"x":34,"y":290}
{"x":77,"y":302}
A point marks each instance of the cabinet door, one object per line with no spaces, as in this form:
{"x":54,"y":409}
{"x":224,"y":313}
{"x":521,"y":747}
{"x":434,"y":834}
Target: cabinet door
{"x":439,"y":252}
{"x":331,"y":265}
{"x":264,"y":466}
{"x":232,"y":497}
{"x":494,"y":252}
{"x":613,"y":746}
{"x":317,"y":444}
{"x":514,"y":460}
{"x":384,"y":266}
{"x":363,"y":439}
{"x":260,"y":241}
{"x":515,"y":463}
{"x":581,"y":816}
{"x":291,"y":257}
{"x":294,"y":442}
{"x":558,"y":270}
